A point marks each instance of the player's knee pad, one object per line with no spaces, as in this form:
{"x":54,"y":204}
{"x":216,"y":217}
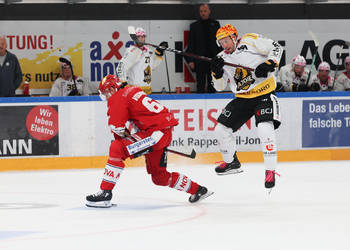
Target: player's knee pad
{"x":161,"y":178}
{"x":117,"y":151}
{"x":227,"y":144}
{"x":222,"y":132}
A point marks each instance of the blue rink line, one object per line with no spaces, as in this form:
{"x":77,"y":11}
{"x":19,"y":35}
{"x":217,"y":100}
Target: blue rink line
{"x":167,"y":97}
{"x":13,"y":234}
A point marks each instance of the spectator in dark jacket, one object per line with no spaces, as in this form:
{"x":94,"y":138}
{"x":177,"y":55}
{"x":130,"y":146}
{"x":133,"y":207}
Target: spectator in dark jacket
{"x":10,"y":71}
{"x":202,"y":41}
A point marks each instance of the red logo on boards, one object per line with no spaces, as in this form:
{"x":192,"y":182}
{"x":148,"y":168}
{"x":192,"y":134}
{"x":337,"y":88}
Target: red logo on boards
{"x":42,"y":122}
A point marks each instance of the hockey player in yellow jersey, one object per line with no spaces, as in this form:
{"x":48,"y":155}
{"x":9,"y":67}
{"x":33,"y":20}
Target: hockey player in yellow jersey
{"x":254,"y":91}
{"x":139,"y":61}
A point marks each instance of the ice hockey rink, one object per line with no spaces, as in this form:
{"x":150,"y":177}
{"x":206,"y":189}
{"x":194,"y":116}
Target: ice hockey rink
{"x":308,"y":209}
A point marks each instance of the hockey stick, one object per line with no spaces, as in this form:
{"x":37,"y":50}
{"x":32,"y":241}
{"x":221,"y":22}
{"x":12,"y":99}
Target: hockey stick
{"x":314,"y":56}
{"x":132,"y":33}
{"x":191,"y":154}
{"x":340,"y":56}
{"x":186,"y":152}
{"x":167,"y":72}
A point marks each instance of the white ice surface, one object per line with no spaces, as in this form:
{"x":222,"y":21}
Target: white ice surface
{"x":309,"y":209}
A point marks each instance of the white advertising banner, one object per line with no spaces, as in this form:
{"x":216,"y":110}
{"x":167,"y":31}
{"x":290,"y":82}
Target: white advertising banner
{"x":95,"y":47}
{"x":79,"y":124}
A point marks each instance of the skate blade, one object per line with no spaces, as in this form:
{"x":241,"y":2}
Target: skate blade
{"x":232,"y":171}
{"x":99,"y":204}
{"x":269,"y":190}
{"x":207,"y":194}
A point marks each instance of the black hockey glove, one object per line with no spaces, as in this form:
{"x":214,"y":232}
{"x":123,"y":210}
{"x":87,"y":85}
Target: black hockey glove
{"x":279,"y":87}
{"x":216,"y":66}
{"x":263,"y":69}
{"x":315,"y":86}
{"x":300,"y":87}
{"x":160,"y":51}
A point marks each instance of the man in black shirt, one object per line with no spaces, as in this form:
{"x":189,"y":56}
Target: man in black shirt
{"x":202,"y":41}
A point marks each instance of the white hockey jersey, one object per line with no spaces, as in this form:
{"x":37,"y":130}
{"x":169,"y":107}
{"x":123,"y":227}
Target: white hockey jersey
{"x":324,"y":86}
{"x":342,"y":83}
{"x":136,"y":66}
{"x":287,"y":77}
{"x":63,"y":87}
{"x":252,"y":50}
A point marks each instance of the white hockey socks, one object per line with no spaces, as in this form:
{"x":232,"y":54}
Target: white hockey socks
{"x":227,"y":144}
{"x":268,"y":143}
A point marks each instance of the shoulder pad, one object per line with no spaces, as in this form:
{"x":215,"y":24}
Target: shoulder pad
{"x":250,"y":35}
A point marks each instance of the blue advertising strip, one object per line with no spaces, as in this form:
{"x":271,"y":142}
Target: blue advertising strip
{"x":168,"y":97}
{"x":326,"y":123}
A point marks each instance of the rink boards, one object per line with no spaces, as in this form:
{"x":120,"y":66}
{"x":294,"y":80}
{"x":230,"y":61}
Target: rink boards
{"x":72,"y":132}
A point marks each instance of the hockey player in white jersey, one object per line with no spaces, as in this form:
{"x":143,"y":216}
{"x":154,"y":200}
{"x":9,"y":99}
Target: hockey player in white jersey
{"x":322,"y":81}
{"x":254,"y":93}
{"x":138,"y":62}
{"x":67,"y":84}
{"x":293,"y":76}
{"x":342,"y":83}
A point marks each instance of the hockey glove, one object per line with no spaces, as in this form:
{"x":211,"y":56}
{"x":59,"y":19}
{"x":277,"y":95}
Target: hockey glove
{"x":263,"y":69}
{"x":160,"y":51}
{"x":216,"y":65}
{"x":300,"y":88}
{"x":279,"y":87}
{"x":315,"y":86}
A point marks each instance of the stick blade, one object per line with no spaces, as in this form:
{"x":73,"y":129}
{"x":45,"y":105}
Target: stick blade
{"x":131,"y":30}
{"x":314,"y":38}
{"x":132,"y":33}
{"x":193,"y":154}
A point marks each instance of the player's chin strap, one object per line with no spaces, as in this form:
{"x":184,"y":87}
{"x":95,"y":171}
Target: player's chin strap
{"x":143,"y":146}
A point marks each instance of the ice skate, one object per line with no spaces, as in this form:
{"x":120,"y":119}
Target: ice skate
{"x":270,"y":179}
{"x":101,"y":199}
{"x":201,"y":194}
{"x":233,"y":167}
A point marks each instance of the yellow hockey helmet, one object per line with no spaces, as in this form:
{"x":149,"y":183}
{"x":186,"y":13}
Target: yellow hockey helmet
{"x":225,"y":31}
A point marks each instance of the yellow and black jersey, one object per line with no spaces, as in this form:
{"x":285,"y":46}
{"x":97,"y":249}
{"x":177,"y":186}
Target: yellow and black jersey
{"x":252,"y":50}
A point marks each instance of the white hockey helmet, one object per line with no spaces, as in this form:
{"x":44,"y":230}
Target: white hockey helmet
{"x":299,"y":60}
{"x":324,"y":66}
{"x":140,"y":31}
{"x":347,"y":60}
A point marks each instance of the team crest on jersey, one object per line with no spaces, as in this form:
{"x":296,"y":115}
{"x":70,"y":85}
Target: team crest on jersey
{"x":243,"y":79}
{"x":147,"y":74}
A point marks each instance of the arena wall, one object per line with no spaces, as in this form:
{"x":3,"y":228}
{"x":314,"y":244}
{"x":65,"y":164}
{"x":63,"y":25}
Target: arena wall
{"x":72,"y":132}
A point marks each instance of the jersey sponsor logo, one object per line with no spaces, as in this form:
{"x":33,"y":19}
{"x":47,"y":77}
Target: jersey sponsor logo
{"x":226,"y":113}
{"x":243,"y":79}
{"x":265,"y":111}
{"x":147,"y":75}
